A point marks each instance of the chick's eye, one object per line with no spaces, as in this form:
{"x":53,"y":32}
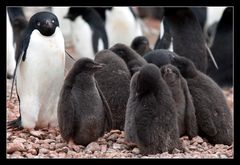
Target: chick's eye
{"x":53,"y":21}
{"x":38,"y":23}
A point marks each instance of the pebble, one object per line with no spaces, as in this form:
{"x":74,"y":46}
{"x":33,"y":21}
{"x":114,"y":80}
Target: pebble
{"x":43,"y":151}
{"x":64,"y":149}
{"x":113,"y":137}
{"x":136,"y":150}
{"x":38,"y":134}
{"x":32,"y":151}
{"x":77,"y":148}
{"x":93,"y":146}
{"x":52,"y":146}
{"x":12,"y":147}
{"x":176,"y":151}
{"x":60,"y":145}
{"x":17,"y":154}
{"x":19,"y":140}
{"x":103,"y":148}
{"x":116,"y":146}
{"x":222,"y":156}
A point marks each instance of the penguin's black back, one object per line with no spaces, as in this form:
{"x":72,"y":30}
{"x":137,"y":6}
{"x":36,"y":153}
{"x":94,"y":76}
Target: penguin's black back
{"x":102,"y":11}
{"x":188,"y":39}
{"x":201,"y":14}
{"x":18,"y":22}
{"x":222,"y":50}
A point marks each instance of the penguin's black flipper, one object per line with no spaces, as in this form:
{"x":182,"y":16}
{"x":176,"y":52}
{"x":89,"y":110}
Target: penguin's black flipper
{"x":108,"y":112}
{"x":15,"y":124}
{"x":190,"y":116}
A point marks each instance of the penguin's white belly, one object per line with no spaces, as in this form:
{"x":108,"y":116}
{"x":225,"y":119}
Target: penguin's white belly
{"x":82,"y":39}
{"x":121,"y":26}
{"x":10,"y":49}
{"x":40,"y":78}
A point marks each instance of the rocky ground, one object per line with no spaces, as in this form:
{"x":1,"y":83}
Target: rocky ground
{"x":48,"y":143}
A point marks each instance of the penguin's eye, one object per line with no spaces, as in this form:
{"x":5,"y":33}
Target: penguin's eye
{"x":53,"y":21}
{"x":38,"y":23}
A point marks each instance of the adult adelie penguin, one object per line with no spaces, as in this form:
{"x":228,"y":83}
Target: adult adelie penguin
{"x":186,"y":35}
{"x":114,"y":81}
{"x":39,"y":72}
{"x":89,"y":34}
{"x":213,"y":114}
{"x":187,"y":122}
{"x":83,"y":113}
{"x":222,"y":50}
{"x":133,"y":60}
{"x":151,"y":116}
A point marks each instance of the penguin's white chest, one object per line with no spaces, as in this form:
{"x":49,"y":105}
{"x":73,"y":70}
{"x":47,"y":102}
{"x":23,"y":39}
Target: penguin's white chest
{"x":40,"y":78}
{"x":121,"y":26}
{"x":82,"y":38}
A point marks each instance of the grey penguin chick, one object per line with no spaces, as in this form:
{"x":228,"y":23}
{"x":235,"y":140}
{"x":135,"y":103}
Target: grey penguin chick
{"x":159,"y":57}
{"x":187,"y":122}
{"x":39,"y":72}
{"x":133,"y":60}
{"x":83,"y":113}
{"x":213,"y":115}
{"x":151,"y":116}
{"x":141,"y":45}
{"x":114,"y":81}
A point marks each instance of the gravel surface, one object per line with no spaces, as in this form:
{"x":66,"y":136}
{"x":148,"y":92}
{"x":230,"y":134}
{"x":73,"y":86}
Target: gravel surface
{"x":48,"y":143}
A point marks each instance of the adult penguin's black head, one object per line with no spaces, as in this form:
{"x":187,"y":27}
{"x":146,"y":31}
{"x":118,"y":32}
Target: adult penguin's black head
{"x":45,"y":22}
{"x":74,"y":12}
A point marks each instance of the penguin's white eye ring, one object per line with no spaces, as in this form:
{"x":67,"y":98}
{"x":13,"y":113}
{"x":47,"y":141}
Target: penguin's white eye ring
{"x":53,"y":21}
{"x":38,"y":23}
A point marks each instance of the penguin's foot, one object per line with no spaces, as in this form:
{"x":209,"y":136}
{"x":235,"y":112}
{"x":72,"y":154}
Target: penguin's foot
{"x":15,"y":125}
